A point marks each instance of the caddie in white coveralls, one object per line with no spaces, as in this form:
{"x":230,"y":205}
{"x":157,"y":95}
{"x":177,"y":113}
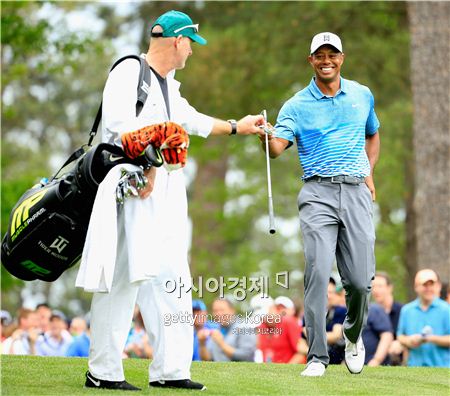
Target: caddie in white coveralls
{"x":152,"y":231}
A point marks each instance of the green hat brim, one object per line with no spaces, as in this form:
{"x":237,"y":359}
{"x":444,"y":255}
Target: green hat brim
{"x":197,"y":38}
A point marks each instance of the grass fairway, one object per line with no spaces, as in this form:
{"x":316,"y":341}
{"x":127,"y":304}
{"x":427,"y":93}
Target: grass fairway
{"x":26,"y":375}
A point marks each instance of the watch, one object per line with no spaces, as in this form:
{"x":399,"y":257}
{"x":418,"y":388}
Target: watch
{"x":233,"y":124}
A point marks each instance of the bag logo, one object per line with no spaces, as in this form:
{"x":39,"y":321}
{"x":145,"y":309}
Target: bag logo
{"x":145,"y":87}
{"x":114,"y":158}
{"x":22,"y":212}
{"x":33,"y":267}
{"x":59,"y":243}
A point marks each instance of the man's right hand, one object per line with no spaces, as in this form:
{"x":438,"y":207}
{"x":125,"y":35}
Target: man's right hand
{"x":250,"y":125}
{"x":137,"y":183}
{"x":415,"y":341}
{"x":150,"y":174}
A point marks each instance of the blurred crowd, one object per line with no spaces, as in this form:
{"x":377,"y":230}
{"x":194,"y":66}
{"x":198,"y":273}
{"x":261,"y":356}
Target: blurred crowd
{"x":44,"y":331}
{"x":270,"y":331}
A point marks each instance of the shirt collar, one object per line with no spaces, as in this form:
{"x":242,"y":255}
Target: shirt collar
{"x":318,"y":94}
{"x":434,"y":303}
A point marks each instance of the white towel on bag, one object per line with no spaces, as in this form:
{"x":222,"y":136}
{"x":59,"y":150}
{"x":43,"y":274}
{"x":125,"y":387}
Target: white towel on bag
{"x":99,"y":253}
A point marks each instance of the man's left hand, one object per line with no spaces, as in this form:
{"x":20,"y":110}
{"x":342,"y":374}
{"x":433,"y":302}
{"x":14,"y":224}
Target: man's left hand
{"x":249,"y":125}
{"x":371,"y":185}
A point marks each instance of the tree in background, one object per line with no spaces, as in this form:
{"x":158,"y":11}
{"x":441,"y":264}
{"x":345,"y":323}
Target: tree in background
{"x":429,"y":209}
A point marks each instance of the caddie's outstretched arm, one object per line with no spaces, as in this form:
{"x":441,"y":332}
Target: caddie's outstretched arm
{"x":248,"y":125}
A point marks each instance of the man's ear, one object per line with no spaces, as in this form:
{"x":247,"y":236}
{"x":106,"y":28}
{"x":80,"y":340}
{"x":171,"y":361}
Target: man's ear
{"x":178,"y":41}
{"x":310,"y":58}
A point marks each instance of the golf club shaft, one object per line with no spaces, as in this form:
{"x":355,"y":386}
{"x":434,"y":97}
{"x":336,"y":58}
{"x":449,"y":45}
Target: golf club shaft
{"x":269,"y":183}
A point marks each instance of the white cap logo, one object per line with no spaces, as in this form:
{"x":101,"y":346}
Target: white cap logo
{"x":325,"y":38}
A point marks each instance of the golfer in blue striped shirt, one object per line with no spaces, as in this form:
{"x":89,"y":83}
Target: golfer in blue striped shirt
{"x":334,"y":124}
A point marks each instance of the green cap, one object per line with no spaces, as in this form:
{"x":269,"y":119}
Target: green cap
{"x":175,"y":23}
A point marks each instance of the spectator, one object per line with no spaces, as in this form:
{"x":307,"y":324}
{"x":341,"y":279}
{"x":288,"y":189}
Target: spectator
{"x":53,"y":342}
{"x":23,"y":340}
{"x":383,"y":295}
{"x":424,"y":325}
{"x":5,"y":328}
{"x":44,"y":313}
{"x":79,"y":347}
{"x":445,"y":292}
{"x":377,"y":336}
{"x":338,"y":296}
{"x":334,"y":320}
{"x":260,"y":304}
{"x":77,"y":326}
{"x":138,"y":345}
{"x":279,"y":334}
{"x":285,"y":306}
{"x":200,"y":316}
{"x":5,"y":321}
{"x":232,"y":342}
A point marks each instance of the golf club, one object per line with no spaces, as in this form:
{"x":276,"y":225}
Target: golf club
{"x":269,"y":181}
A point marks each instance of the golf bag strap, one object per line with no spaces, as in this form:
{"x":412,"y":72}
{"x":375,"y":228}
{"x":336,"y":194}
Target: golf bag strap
{"x":142,"y":92}
{"x":74,"y":156}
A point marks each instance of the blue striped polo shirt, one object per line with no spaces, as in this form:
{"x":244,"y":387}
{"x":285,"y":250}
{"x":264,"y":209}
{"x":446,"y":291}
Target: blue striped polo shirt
{"x":330,"y":131}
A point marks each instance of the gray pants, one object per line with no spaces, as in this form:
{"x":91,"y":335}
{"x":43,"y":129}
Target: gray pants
{"x":336,"y":222}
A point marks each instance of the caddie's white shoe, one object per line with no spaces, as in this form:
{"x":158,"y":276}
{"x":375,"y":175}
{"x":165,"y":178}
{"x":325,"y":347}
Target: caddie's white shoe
{"x":354,"y":355}
{"x":314,"y":369}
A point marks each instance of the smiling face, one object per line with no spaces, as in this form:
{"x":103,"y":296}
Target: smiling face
{"x":327,"y":62}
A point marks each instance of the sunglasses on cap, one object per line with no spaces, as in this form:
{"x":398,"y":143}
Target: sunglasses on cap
{"x":194,"y":27}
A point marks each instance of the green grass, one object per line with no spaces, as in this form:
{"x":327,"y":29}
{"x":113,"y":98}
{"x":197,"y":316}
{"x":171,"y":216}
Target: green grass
{"x":25,"y":375}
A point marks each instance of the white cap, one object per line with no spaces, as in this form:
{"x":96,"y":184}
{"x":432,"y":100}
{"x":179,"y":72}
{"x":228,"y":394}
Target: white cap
{"x":325,"y":38}
{"x":284,"y":301}
{"x":424,"y":276}
{"x":260,"y":304}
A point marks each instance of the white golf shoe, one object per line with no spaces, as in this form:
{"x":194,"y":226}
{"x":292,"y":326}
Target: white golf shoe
{"x":314,"y":369}
{"x":355,"y":355}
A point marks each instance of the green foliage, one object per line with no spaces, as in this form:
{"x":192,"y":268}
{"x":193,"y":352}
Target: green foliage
{"x":256,"y":58}
{"x":65,"y":376}
{"x":49,"y":98}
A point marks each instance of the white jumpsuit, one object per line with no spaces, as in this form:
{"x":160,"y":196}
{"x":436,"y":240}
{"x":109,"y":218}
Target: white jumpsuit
{"x":165,"y":240}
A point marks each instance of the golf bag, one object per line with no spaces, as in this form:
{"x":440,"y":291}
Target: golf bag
{"x":48,"y":225}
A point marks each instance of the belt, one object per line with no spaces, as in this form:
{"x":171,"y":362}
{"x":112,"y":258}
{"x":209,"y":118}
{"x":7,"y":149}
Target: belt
{"x":337,"y":179}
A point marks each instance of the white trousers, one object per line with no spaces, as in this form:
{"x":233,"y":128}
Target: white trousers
{"x":111,"y":316}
